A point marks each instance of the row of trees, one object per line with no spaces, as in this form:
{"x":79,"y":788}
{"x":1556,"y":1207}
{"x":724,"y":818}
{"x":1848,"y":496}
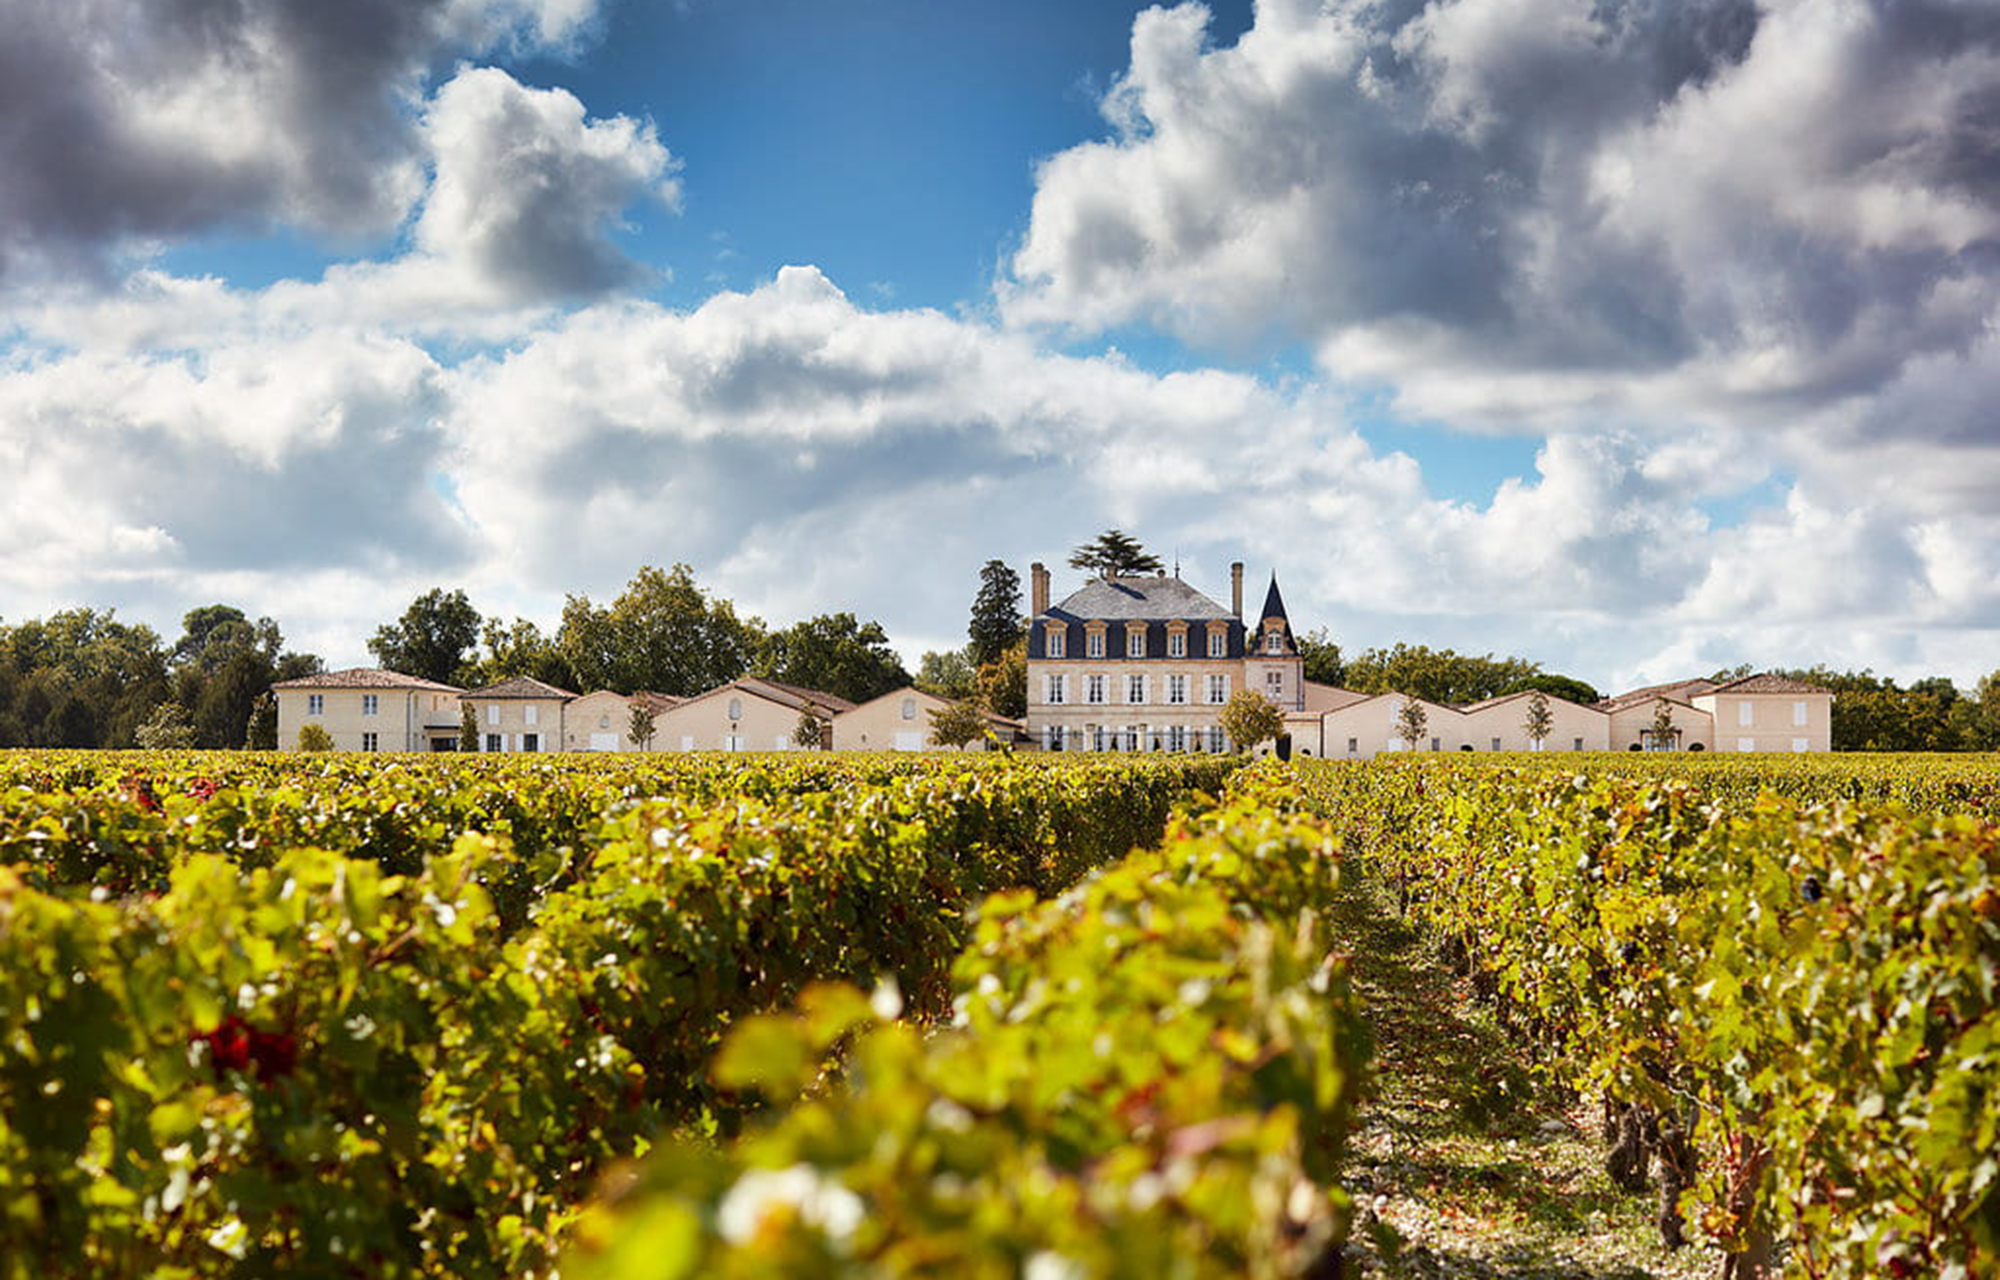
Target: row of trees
{"x":663,"y":633}
{"x":82,"y":678}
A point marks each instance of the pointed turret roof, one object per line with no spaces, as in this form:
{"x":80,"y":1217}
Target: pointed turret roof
{"x":1274,"y":603}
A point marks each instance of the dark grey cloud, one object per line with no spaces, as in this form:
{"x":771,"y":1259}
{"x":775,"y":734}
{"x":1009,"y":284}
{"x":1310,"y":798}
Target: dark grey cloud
{"x":1769,"y":205}
{"x":125,"y":121}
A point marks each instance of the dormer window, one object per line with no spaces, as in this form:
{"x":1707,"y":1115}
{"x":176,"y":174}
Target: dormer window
{"x":1218,"y":643}
{"x":1093,"y":644}
{"x":1055,"y":642}
{"x":1274,"y":642}
{"x":1135,"y":644}
{"x":1177,"y":644}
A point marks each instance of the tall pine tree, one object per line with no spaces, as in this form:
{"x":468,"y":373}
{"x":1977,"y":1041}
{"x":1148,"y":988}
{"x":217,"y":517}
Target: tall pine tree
{"x":996,"y":614}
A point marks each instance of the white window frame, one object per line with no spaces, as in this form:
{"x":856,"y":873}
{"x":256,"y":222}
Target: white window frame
{"x":1135,"y":643}
{"x":1177,"y":644}
{"x":493,"y":713}
{"x":1058,"y":690}
{"x":495,"y":742}
{"x":315,"y":704}
{"x":909,"y":709}
{"x":1802,"y":744}
{"x":371,"y":742}
{"x":1055,"y":643}
{"x":1218,"y":689}
{"x":1746,"y":744}
{"x":371,"y":704}
{"x":1093,"y":644}
{"x":1274,"y":681}
{"x":1274,"y":641}
{"x":531,"y":742}
{"x":1746,"y":715}
{"x":1176,"y":737}
{"x":1177,"y":691}
{"x":1135,"y":684}
{"x":531,"y":713}
{"x":1218,"y":742}
{"x":1093,"y":688}
{"x":1218,"y":644}
{"x":1800,"y":716}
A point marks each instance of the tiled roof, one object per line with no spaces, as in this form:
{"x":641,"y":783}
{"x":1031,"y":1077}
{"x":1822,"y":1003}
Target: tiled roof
{"x":365,"y":678}
{"x":1678,"y":691}
{"x":521,"y":687}
{"x":1321,"y":698}
{"x":656,"y":701}
{"x":793,"y":695}
{"x":1155,"y":597}
{"x":1764,"y":682}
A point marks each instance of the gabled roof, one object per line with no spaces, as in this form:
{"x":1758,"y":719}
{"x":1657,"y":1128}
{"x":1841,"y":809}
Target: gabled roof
{"x":1677,"y":691}
{"x":1518,"y":694}
{"x":785,"y":695}
{"x":521,"y":687}
{"x":656,"y":701}
{"x":1320,"y":698}
{"x":1764,"y":682}
{"x":1154,"y":597}
{"x":365,"y":678}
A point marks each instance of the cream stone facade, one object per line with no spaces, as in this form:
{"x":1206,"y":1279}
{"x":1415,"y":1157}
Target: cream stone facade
{"x":900,"y":720}
{"x":1147,"y":663}
{"x":598,"y":721}
{"x":750,"y":714}
{"x":520,"y":715}
{"x":363,"y":709}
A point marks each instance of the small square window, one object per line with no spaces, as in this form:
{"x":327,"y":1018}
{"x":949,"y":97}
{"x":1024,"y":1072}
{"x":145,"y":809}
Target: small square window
{"x":493,"y":742}
{"x":370,"y":742}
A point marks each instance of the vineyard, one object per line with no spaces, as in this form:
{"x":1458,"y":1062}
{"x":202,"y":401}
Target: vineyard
{"x":824,"y":1015}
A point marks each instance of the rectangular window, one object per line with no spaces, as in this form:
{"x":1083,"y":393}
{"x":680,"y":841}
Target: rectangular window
{"x":1274,"y":681}
{"x":1218,"y":690}
{"x":1058,"y":690}
{"x":530,"y":713}
{"x":1097,"y":737}
{"x":493,"y":742}
{"x":1052,"y":738}
{"x":1218,"y":644}
{"x":371,"y":742}
{"x":1177,"y":644}
{"x":1093,"y":688}
{"x":1093,"y":644}
{"x":1177,"y":738}
{"x":493,"y":713}
{"x":1746,"y":714}
{"x":1746,"y":744}
{"x":1135,"y":690}
{"x":1354,"y":746}
{"x":1578,"y":746}
{"x":1801,"y":744}
{"x":1799,"y":715}
{"x":531,"y":742}
{"x":1274,"y":642}
{"x":1135,"y":644}
{"x":370,"y":704}
{"x":315,"y":704}
{"x":1177,"y":690}
{"x":1496,"y":744}
{"x":687,"y":742}
{"x":1055,"y":642}
{"x":1217,"y":742}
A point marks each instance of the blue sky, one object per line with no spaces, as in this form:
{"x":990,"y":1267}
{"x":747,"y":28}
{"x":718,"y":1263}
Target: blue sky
{"x":1639,"y":340}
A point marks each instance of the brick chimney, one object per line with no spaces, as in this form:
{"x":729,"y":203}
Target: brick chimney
{"x":1236,"y":588}
{"x":1039,"y":575}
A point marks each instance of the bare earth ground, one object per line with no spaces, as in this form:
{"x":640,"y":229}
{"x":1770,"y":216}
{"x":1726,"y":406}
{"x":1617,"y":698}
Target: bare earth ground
{"x":1464,"y":1163}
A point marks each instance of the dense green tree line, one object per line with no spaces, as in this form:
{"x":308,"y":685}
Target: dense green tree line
{"x":82,"y":678}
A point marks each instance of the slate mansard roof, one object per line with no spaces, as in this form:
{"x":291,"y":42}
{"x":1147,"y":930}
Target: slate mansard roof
{"x":1147,"y":599}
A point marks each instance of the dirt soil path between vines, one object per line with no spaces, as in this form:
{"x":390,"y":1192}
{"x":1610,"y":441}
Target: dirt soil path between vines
{"x":1463,"y":1164}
